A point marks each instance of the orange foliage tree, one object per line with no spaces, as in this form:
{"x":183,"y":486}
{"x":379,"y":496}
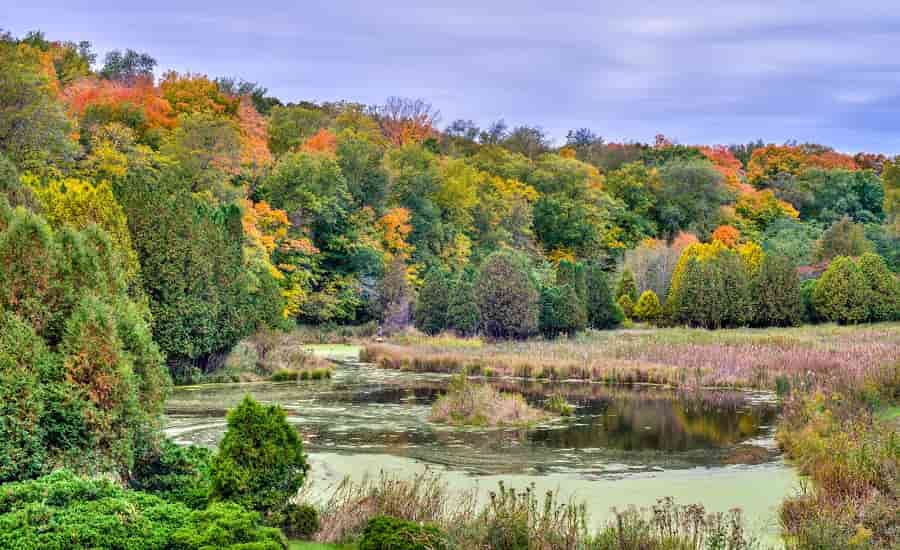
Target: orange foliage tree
{"x":404,"y":120}
{"x":771,"y":160}
{"x":322,"y":141}
{"x":728,"y":165}
{"x":141,"y":93}
{"x":396,"y":227}
{"x":254,"y":135}
{"x":727,"y":235}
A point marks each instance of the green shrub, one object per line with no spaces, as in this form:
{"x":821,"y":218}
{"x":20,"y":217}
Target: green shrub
{"x":776,"y":293}
{"x":883,"y":297}
{"x":228,"y":526}
{"x":558,"y":404}
{"x":602,"y":310}
{"x":261,"y":463}
{"x":300,"y":521}
{"x":807,"y":288}
{"x":841,"y":293}
{"x":712,"y":293}
{"x":388,"y":533}
{"x":174,"y":473}
{"x":506,"y":296}
{"x":648,"y":307}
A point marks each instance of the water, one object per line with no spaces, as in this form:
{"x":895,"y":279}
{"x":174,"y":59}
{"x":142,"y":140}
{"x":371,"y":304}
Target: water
{"x":622,"y":446}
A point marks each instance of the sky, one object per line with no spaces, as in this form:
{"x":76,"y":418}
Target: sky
{"x":729,"y":71}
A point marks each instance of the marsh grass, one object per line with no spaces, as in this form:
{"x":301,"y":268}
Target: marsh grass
{"x":467,"y":403}
{"x":786,"y":358}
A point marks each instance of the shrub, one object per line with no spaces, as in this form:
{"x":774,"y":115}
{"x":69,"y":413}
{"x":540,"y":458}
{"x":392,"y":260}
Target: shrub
{"x":883,"y":297}
{"x":388,"y":533}
{"x":808,"y":311}
{"x":602,"y":310}
{"x":64,"y":512}
{"x":648,"y":307}
{"x":300,"y":521}
{"x":174,"y":473}
{"x":228,"y":526}
{"x":841,"y":293}
{"x":261,"y":463}
{"x":562,"y":311}
{"x":776,"y":293}
{"x":433,"y":302}
{"x":507,"y":297}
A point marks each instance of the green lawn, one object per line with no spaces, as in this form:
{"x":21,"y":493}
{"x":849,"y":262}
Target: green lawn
{"x":300,"y":545}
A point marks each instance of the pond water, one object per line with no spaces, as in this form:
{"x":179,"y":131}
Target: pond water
{"x":622,"y":446}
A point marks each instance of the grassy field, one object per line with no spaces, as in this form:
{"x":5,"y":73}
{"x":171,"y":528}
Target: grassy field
{"x":749,"y":358}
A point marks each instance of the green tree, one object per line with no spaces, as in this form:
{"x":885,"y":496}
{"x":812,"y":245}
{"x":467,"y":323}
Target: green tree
{"x":857,"y":194}
{"x":261,"y":463}
{"x":841,"y":293}
{"x":463,"y":315}
{"x":602,"y":310}
{"x":776,"y":293}
{"x":843,"y":238}
{"x":507,"y":297}
{"x":562,"y":311}
{"x":688,"y":198}
{"x":292,"y":125}
{"x":433,"y":301}
{"x":883,"y":297}
{"x":626,"y":304}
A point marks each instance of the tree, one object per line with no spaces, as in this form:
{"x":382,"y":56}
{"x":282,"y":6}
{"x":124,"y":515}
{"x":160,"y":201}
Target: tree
{"x":883,"y":298}
{"x":127,"y":67}
{"x":507,"y":298}
{"x":207,"y":149}
{"x":841,"y":293}
{"x":890,"y":178}
{"x":689,"y":197}
{"x":261,"y":463}
{"x":843,"y":238}
{"x":530,"y":141}
{"x":433,"y":302}
{"x":34,"y":130}
{"x":727,"y":235}
{"x":791,"y":238}
{"x":396,"y":297}
{"x":710,"y":288}
{"x":291,"y":126}
{"x":562,"y":311}
{"x":602,"y":310}
{"x":627,"y":286}
{"x":858,"y":194}
{"x":404,"y":120}
{"x":775,"y":292}
{"x":648,"y":308}
{"x":626,"y":304}
{"x":463,"y":315}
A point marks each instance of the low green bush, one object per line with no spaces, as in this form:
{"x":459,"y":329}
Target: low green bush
{"x":389,"y":533}
{"x":62,"y":511}
{"x":175,"y":473}
{"x":300,"y":521}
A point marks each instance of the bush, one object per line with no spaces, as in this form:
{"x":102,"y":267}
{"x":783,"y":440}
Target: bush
{"x":261,"y":463}
{"x":562,"y":311}
{"x":841,"y":293}
{"x":64,"y":512}
{"x":300,"y":521}
{"x":776,"y":293}
{"x":602,"y":311}
{"x":228,"y":526}
{"x":712,"y":289}
{"x":174,"y":473}
{"x":807,"y":288}
{"x":648,"y":307}
{"x":626,"y":304}
{"x":883,"y":297}
{"x":507,"y":297}
{"x":388,"y":533}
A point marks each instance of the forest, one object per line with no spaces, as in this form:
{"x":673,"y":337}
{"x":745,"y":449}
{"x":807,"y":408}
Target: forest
{"x":151,"y":220}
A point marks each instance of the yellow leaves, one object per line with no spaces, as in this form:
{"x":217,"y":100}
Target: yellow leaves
{"x":752,"y":254}
{"x":396,"y":226}
{"x":560,"y":254}
{"x":196,"y":93}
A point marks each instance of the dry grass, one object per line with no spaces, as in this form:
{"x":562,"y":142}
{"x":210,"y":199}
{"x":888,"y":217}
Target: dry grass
{"x":471,"y":404}
{"x":746,"y":358}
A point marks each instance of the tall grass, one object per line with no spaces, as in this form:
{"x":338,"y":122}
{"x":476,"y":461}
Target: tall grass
{"x":798,"y":358}
{"x":469,"y":404}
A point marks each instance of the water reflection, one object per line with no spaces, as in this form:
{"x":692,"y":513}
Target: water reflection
{"x":615,"y":430}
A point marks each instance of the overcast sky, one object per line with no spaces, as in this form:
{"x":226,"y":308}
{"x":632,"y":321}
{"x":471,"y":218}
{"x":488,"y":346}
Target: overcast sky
{"x":700,"y":72}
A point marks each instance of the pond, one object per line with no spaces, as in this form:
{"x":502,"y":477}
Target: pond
{"x":623,"y":445}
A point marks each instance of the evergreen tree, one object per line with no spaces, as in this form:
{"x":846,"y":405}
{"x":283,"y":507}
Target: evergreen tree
{"x":648,"y":307}
{"x":776,"y":293}
{"x":627,"y":286}
{"x":562,"y":311}
{"x":433,"y":302}
{"x":883,"y":296}
{"x":507,"y":297}
{"x":602,"y":310}
{"x":462,"y":312}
